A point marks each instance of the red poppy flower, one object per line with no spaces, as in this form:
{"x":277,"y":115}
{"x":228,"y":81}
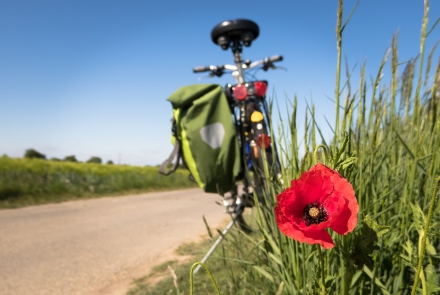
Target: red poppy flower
{"x":319,"y":199}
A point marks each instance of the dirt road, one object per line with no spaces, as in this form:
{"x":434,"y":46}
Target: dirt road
{"x":97,"y":246}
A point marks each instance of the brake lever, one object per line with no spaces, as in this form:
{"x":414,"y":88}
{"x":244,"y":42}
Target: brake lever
{"x":217,"y":72}
{"x":205,"y":77}
{"x":278,"y":68}
{"x":268,"y":65}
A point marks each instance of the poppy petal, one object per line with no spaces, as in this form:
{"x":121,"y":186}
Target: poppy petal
{"x":311,"y":237}
{"x":346,"y":221}
{"x":291,"y":203}
{"x":314,"y":184}
{"x":319,"y":237}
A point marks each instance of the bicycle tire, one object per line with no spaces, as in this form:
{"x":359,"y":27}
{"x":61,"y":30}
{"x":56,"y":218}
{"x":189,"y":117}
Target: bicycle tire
{"x":241,"y":223}
{"x":259,"y":128}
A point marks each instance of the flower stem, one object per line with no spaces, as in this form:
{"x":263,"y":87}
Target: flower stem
{"x":347,"y":273}
{"x":326,"y":155}
{"x":338,"y":66}
{"x":422,"y":250}
{"x":321,"y":259}
{"x":191,"y":281}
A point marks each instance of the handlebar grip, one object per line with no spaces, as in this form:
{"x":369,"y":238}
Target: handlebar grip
{"x":276,"y":58}
{"x":201,"y":69}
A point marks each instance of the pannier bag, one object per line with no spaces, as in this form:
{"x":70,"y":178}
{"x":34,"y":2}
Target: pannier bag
{"x":204,"y":137}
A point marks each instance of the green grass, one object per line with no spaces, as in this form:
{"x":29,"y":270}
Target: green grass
{"x":26,"y":182}
{"x":392,"y":132}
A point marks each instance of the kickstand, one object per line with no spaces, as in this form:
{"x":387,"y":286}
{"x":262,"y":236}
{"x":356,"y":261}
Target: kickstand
{"x":215,"y":245}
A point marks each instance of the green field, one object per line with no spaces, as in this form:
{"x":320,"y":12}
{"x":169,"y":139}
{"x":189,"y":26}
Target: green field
{"x":33,"y":181}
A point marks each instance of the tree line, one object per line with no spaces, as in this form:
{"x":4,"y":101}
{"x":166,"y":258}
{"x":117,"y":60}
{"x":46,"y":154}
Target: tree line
{"x":34,"y":154}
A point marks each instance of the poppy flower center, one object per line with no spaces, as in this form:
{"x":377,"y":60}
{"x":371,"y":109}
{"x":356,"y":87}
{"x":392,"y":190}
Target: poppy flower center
{"x":314,"y":213}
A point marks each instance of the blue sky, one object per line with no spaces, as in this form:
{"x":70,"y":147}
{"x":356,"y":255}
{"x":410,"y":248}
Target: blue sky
{"x":91,"y":77}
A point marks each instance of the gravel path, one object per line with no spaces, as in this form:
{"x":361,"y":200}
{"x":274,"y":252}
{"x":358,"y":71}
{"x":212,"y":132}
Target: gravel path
{"x":97,"y":246}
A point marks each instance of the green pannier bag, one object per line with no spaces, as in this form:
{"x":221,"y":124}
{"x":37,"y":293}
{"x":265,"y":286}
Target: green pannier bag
{"x":204,"y":137}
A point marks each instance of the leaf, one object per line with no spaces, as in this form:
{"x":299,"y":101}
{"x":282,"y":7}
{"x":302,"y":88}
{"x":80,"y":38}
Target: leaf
{"x":376,"y":280}
{"x":276,"y":259}
{"x":355,"y":278}
{"x":409,"y":259}
{"x":348,"y":162}
{"x":208,"y":228}
{"x":421,"y":235}
{"x":264,"y":273}
{"x":342,"y":149}
{"x":280,"y":289}
{"x":430,"y":249}
{"x":418,"y":217}
{"x":409,"y":248}
{"x":379,"y":229}
{"x":272,"y":243}
{"x":431,"y":280}
{"x":364,"y":244}
{"x":329,"y":282}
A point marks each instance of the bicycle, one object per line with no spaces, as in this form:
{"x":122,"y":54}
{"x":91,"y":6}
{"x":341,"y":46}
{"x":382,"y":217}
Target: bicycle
{"x":247,"y":101}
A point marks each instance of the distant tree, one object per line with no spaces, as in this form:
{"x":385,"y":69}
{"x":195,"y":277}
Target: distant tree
{"x":96,"y":160}
{"x":110,"y":162}
{"x":55,"y":159}
{"x":33,"y":154}
{"x":70,"y":159}
{"x":5,"y":156}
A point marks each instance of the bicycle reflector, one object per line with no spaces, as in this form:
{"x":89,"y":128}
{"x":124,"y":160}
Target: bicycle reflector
{"x":263,"y":141}
{"x":239,"y":92}
{"x":260,"y":88}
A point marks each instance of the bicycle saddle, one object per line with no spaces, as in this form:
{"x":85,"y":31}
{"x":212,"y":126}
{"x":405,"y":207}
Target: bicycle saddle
{"x":237,"y":30}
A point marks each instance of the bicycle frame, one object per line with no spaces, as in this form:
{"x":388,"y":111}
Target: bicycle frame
{"x":243,"y":106}
{"x":250,"y":113}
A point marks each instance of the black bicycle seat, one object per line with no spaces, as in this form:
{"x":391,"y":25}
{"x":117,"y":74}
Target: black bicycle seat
{"x":237,"y":30}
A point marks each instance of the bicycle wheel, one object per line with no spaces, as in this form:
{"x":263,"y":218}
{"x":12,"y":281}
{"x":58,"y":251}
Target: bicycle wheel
{"x":264,"y":161}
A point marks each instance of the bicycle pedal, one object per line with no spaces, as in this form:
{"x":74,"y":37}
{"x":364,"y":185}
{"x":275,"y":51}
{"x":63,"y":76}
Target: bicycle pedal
{"x":228,"y":202}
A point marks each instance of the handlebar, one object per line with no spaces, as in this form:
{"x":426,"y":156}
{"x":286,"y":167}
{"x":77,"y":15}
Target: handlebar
{"x":275,"y":58}
{"x":219,"y":70}
{"x":201,"y":69}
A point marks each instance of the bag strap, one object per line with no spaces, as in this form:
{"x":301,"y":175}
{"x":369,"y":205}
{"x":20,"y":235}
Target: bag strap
{"x":175,"y":154}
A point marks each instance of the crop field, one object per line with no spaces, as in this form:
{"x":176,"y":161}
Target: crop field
{"x":35,"y":181}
